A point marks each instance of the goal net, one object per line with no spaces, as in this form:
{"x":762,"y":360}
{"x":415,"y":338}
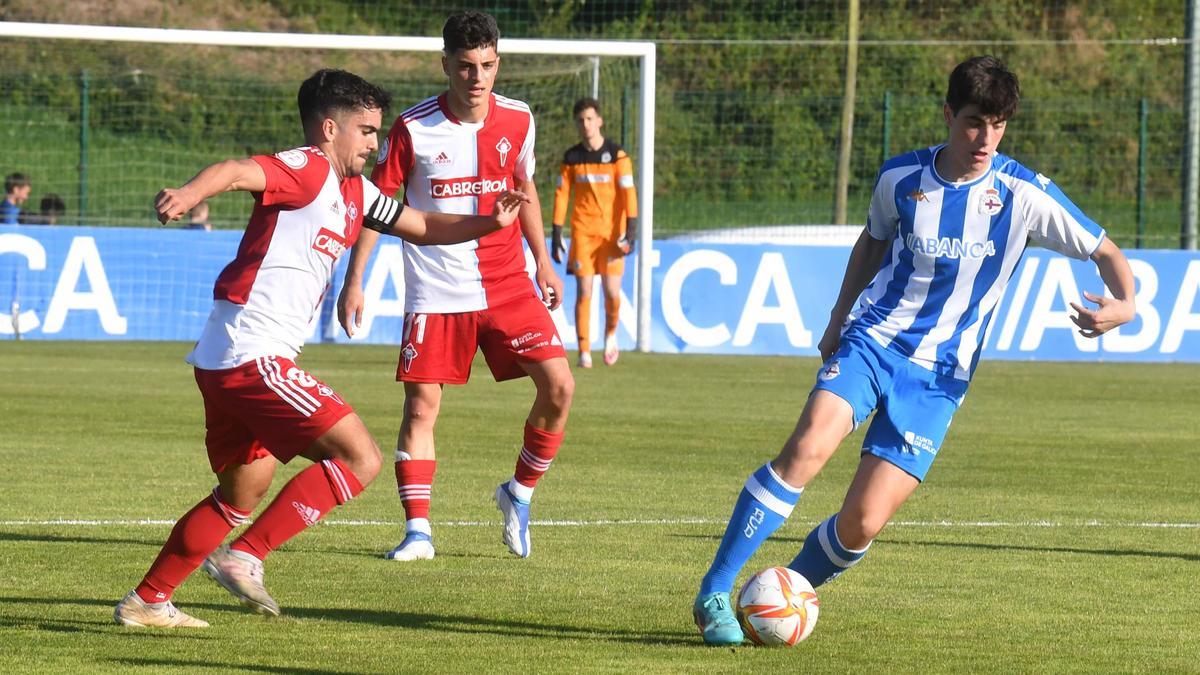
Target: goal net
{"x":103,"y":117}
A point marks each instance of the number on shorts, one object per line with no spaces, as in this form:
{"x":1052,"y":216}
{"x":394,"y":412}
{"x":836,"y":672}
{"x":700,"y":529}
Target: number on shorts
{"x":419,"y":321}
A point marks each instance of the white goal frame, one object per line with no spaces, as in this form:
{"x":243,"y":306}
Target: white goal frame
{"x":644,"y":51}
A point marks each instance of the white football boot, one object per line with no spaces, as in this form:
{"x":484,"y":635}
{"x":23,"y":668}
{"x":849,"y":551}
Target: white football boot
{"x":242,"y":575}
{"x":416,"y":546}
{"x":135,"y":612}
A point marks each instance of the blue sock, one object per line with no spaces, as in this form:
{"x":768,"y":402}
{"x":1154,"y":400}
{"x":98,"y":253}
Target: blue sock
{"x":823,"y":557}
{"x":764,"y":503}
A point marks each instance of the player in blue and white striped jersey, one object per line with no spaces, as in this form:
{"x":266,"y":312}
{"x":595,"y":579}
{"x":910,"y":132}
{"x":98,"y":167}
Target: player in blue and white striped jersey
{"x":946,"y":229}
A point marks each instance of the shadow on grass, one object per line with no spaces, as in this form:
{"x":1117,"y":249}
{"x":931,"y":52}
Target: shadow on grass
{"x":1132,"y":553}
{"x":96,"y":623}
{"x":451,"y":623}
{"x":224,"y":667}
{"x":442,"y":623}
{"x":73,"y":539}
{"x":1136,"y":553}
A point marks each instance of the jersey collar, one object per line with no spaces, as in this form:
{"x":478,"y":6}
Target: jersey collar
{"x":950,"y":184}
{"x":444,"y":104}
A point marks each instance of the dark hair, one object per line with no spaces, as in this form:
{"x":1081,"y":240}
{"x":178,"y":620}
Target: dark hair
{"x":53,"y":205}
{"x":14,"y":181}
{"x":469,"y":30}
{"x":986,"y":82}
{"x":585,"y":103}
{"x":329,"y":91}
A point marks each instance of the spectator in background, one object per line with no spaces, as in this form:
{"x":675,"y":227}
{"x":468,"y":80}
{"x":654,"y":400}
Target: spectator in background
{"x":50,"y":210}
{"x":16,"y":189}
{"x":198,"y":218}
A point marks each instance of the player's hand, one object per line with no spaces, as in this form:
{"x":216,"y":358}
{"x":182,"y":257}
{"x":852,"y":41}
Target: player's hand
{"x":550,"y":286}
{"x":557,"y":249}
{"x":507,"y":205}
{"x":350,"y":308}
{"x":627,"y":240}
{"x":832,"y":337}
{"x":172,"y":204}
{"x":1109,"y":314}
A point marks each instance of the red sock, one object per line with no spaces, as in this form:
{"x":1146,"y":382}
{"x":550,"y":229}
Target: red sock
{"x":540,"y":448}
{"x":414,"y":481}
{"x":197,"y":534}
{"x":301,"y":503}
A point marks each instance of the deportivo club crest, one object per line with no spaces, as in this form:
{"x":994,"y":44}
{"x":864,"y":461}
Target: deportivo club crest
{"x":503,"y":147}
{"x":989,"y":202}
{"x":829,"y":372}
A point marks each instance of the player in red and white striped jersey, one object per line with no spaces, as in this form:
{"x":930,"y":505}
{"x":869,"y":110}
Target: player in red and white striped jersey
{"x":456,"y":152}
{"x":310,"y":204}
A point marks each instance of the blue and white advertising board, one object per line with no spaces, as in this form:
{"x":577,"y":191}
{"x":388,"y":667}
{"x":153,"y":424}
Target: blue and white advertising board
{"x":81,"y":283}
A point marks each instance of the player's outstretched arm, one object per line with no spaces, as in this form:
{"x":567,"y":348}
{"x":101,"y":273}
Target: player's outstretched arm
{"x":1110,"y":312}
{"x":422,"y":227}
{"x":232,"y":174}
{"x":864,"y":262}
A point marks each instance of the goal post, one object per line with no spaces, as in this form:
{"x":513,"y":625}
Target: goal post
{"x":643,"y":51}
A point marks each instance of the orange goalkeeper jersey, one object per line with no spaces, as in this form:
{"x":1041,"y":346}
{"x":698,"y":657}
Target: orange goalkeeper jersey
{"x":604,"y":193}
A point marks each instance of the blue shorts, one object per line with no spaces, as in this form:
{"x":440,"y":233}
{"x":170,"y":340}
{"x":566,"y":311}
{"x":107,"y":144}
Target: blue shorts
{"x":914,"y":405}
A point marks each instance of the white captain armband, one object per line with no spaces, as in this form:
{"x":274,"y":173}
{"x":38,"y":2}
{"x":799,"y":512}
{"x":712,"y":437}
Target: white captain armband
{"x":382,"y":215}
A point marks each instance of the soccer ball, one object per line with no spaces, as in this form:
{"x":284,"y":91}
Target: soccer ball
{"x":777,"y":606}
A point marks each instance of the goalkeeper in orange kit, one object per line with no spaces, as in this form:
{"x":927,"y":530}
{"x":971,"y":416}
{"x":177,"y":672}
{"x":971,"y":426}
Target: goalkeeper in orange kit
{"x":603,"y":224}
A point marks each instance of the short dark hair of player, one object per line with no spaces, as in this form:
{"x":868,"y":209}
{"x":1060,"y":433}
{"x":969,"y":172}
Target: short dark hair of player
{"x":986,"y":82}
{"x":469,"y":30}
{"x":53,"y":205}
{"x":585,"y":103}
{"x":14,"y":181}
{"x":330,"y":91}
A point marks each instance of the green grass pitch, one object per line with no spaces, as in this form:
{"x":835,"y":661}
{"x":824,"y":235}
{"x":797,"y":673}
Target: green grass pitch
{"x":1058,"y":531}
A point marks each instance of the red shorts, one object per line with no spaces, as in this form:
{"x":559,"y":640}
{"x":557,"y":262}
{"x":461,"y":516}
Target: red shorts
{"x":266,"y":406}
{"x":439,"y":348}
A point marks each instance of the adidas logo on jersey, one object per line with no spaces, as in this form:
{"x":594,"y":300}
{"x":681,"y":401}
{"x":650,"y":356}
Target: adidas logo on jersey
{"x":307,"y":513}
{"x":442,"y":159}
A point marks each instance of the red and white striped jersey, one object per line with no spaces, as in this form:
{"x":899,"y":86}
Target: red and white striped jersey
{"x":450,"y":166}
{"x":266,"y":299}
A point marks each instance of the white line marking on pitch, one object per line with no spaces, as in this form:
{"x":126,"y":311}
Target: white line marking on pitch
{"x":632,"y":521}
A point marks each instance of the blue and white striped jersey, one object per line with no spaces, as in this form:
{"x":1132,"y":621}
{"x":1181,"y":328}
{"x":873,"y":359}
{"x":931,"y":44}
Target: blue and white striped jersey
{"x":954,"y":249}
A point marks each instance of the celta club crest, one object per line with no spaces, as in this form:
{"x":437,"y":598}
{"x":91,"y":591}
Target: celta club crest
{"x":328,"y":392}
{"x":409,"y":353}
{"x":503,"y":147}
